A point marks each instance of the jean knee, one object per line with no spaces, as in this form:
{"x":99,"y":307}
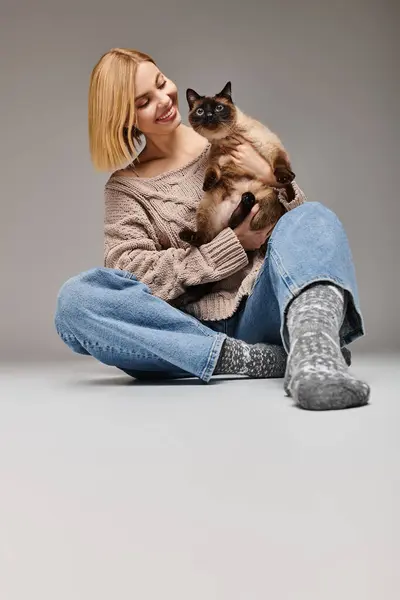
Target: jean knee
{"x":308,"y":221}
{"x":309,"y":210}
{"x":87,"y":295}
{"x":72,"y":298}
{"x":65,"y":304}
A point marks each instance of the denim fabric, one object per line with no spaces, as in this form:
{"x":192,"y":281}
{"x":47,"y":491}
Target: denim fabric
{"x":110,"y":315}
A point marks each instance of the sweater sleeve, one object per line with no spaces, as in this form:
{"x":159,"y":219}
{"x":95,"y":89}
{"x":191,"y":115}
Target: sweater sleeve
{"x":293,"y":199}
{"x":131,"y":245}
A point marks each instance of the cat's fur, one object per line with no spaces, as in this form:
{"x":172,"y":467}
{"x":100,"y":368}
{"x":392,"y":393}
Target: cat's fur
{"x":225,"y":183}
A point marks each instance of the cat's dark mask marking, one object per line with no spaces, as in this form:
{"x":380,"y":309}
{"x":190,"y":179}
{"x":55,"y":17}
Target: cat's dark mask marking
{"x":211,"y":112}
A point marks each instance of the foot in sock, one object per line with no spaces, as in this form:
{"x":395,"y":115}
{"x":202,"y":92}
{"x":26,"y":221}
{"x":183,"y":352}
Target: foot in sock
{"x":253,"y":360}
{"x":317,"y":376}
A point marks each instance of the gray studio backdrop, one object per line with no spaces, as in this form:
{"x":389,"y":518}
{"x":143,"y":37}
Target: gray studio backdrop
{"x":323,"y":74}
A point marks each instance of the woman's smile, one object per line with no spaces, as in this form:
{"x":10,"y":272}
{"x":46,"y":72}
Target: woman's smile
{"x":168,"y":116}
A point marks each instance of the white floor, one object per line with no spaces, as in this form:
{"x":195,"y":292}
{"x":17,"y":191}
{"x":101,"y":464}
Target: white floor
{"x":115,"y":490}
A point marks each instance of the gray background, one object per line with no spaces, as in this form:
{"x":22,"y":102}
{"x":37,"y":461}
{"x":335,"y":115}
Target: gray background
{"x":113,"y":488}
{"x":323,"y":75}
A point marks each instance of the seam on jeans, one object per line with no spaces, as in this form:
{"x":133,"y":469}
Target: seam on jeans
{"x":205,"y":374}
{"x":261,"y":269}
{"x":67,"y":336}
{"x":85,"y":343}
{"x":287,"y":279}
{"x":257,"y":279}
{"x":203,"y":328}
{"x":129,"y":275}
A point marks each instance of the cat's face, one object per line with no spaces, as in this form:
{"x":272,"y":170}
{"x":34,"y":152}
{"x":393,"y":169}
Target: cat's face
{"x":212,"y":116}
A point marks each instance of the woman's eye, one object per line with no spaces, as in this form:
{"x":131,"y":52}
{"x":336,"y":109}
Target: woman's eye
{"x":199,"y":112}
{"x":219,"y":108}
{"x":160,"y":86}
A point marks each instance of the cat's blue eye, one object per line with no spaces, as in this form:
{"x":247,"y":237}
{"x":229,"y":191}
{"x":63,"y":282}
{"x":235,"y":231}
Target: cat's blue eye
{"x":219,"y":108}
{"x":199,"y":112}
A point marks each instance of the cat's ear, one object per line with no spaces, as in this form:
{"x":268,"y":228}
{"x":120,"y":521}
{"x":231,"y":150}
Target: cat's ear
{"x":227,"y":92}
{"x":191,"y":97}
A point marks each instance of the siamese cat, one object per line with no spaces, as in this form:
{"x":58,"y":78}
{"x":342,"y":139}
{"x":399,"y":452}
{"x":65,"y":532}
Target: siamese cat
{"x":230,"y":192}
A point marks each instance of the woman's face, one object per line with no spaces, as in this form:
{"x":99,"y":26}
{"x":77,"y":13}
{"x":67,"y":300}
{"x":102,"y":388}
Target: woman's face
{"x":156,"y":101}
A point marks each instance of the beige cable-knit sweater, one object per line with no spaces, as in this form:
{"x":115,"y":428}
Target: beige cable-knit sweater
{"x":143,"y":218}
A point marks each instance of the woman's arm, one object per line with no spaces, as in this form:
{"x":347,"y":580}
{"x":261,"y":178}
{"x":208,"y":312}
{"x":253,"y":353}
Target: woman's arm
{"x":132,"y":245}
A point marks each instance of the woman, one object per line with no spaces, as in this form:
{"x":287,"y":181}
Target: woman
{"x":301,"y":299}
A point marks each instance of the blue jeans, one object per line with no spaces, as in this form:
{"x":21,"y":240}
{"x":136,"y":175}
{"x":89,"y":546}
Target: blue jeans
{"x":110,"y":315}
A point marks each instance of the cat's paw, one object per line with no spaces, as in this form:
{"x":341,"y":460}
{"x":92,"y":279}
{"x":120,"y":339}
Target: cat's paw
{"x":210,"y":180}
{"x":248,"y":200}
{"x":191,"y":237}
{"x":284,"y":175}
{"x":187,"y":235}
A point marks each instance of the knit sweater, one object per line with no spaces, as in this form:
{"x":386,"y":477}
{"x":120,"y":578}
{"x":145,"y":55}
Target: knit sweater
{"x":143,"y":219}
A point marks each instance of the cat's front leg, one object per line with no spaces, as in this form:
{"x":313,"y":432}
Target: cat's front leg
{"x":205,"y":222}
{"x":283,"y":174}
{"x":247,"y":202}
{"x":211,"y":178}
{"x":194,"y":238}
{"x":281,"y":168}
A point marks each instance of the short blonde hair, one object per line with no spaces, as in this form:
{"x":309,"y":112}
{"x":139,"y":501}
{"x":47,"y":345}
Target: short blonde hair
{"x":112,"y":115}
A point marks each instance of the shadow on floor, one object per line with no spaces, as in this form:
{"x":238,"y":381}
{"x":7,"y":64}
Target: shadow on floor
{"x":130,"y":381}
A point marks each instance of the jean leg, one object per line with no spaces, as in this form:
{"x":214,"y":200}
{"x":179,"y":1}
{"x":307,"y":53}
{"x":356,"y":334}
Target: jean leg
{"x":110,"y":315}
{"x":308,"y":245}
{"x":258,"y":318}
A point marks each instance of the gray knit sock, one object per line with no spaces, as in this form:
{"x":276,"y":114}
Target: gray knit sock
{"x":317,"y":375}
{"x":253,"y":360}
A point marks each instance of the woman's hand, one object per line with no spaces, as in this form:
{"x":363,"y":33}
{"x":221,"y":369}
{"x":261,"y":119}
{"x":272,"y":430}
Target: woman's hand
{"x":245,"y":156}
{"x":252,"y":240}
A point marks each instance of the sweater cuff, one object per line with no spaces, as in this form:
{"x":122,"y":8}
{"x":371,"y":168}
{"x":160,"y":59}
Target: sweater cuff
{"x":299,"y":197}
{"x":225,"y":253}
